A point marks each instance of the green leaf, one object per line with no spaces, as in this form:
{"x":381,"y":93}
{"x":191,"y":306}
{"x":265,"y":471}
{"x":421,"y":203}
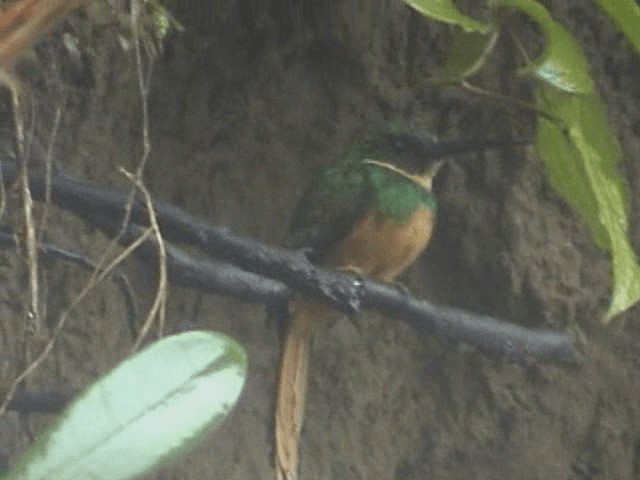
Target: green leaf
{"x":562,"y":63}
{"x":445,"y":11}
{"x":469,"y":52}
{"x":151,"y":407}
{"x":626,"y":15}
{"x":581,"y":154}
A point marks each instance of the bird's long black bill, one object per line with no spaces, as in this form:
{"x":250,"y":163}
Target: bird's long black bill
{"x":449,"y":148}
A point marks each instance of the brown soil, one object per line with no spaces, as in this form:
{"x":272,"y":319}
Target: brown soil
{"x":243,"y":110}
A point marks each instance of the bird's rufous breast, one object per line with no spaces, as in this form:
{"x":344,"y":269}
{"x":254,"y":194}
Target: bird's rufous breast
{"x":383,"y":248}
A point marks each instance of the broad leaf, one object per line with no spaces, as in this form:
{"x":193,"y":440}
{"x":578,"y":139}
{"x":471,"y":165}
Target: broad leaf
{"x":445,"y":11}
{"x":151,"y":407}
{"x":562,"y":63}
{"x":626,"y":15}
{"x":581,"y":155}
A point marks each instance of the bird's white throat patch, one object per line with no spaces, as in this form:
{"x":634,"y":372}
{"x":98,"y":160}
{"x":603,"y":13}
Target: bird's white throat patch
{"x":423,"y":181}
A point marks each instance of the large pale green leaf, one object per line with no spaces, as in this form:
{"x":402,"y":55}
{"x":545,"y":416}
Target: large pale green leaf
{"x":151,"y":407}
{"x":562,"y":63}
{"x":445,"y":11}
{"x":581,"y":155}
{"x":626,"y":15}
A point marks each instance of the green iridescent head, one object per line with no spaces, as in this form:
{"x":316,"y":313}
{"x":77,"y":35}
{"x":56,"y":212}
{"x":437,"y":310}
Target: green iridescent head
{"x":411,"y":153}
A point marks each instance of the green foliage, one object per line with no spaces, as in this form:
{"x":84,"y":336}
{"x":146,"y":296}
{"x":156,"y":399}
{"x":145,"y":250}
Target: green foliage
{"x":578,"y":148}
{"x":581,"y":164}
{"x":562,"y":63}
{"x":445,"y":11}
{"x":626,"y":15}
{"x":564,"y":160}
{"x":153,"y":406}
{"x":162,"y":20}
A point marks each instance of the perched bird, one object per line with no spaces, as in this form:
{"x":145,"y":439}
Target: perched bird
{"x":372,"y":213}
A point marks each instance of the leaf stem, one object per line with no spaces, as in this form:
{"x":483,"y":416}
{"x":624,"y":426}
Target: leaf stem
{"x":498,"y":97}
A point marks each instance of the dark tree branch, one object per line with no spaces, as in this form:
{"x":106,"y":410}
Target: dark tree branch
{"x":40,"y":402}
{"x":206,"y":275}
{"x":483,"y":332}
{"x":105,"y":208}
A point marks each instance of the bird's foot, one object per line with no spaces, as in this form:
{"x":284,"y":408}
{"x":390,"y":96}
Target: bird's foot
{"x":356,"y":288}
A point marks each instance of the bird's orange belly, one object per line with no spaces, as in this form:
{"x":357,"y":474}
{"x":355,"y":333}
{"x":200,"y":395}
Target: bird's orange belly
{"x":383,"y":248}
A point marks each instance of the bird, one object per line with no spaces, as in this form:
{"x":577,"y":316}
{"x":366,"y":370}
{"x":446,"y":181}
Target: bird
{"x":372,"y":214}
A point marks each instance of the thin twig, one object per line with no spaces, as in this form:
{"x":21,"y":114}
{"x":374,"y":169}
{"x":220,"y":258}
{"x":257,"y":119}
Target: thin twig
{"x":143,"y":85}
{"x":143,"y":88}
{"x":6,"y":82}
{"x":159,"y":304}
{"x":518,"y":43}
{"x":27,"y":211}
{"x":498,"y":97}
{"x":131,"y":198}
{"x":158,"y":307}
{"x":3,"y":197}
{"x":48,"y":163}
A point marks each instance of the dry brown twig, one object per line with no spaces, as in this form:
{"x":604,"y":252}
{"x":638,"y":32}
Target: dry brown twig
{"x":158,"y":307}
{"x":48,"y":162}
{"x":146,"y":143}
{"x":159,"y":304}
{"x":22,"y":22}
{"x":27,"y":211}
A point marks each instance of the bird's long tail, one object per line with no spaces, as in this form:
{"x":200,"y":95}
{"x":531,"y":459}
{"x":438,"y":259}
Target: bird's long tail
{"x":305,"y":316}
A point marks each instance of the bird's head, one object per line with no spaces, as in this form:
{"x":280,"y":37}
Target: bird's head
{"x":420,"y":157}
{"x":409,"y":154}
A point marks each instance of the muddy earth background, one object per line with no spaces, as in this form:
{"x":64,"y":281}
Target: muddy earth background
{"x":244,"y":107}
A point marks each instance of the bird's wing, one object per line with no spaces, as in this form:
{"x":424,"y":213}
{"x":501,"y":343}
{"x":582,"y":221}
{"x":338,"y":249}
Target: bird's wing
{"x":330,"y":207}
